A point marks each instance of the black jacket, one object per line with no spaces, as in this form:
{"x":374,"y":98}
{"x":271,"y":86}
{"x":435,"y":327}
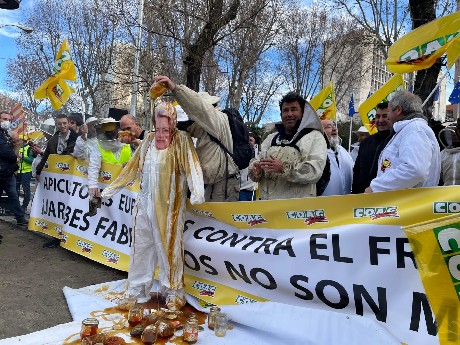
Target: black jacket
{"x":8,"y":159}
{"x":365,"y":168}
{"x":51,"y":148}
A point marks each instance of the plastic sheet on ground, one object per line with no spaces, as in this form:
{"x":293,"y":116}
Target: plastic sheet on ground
{"x":255,"y":323}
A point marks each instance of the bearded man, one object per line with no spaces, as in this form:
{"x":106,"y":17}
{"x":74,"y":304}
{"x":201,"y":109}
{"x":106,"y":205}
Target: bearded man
{"x":341,"y":163}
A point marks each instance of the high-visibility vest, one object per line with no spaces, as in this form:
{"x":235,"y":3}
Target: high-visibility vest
{"x":108,"y":156}
{"x":24,"y":167}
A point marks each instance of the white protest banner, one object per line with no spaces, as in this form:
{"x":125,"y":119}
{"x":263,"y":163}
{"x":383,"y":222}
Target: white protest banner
{"x":345,"y":254}
{"x":60,"y":209}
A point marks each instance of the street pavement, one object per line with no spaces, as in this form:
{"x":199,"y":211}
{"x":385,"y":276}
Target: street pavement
{"x":32,"y":278}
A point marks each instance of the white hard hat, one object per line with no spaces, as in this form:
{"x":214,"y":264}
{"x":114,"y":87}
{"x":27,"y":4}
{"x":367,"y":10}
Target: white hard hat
{"x":91,"y":119}
{"x":181,"y":115}
{"x":362,"y":129}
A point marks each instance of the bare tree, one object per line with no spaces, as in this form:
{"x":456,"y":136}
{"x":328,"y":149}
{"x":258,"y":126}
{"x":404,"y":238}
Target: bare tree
{"x":389,"y":20}
{"x":300,"y":47}
{"x":91,"y":27}
{"x":25,"y":75}
{"x":251,"y":34}
{"x":263,"y":83}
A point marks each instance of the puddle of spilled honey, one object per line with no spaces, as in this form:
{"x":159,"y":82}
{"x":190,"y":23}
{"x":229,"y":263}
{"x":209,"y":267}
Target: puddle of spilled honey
{"x":74,"y":339}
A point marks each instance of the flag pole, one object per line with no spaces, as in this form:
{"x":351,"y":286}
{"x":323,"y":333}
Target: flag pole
{"x":435,"y":88}
{"x":349,"y":137}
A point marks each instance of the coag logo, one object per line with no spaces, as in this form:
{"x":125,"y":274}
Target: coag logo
{"x":42,"y":224}
{"x":205,"y":289}
{"x":63,"y":238}
{"x":83,"y":169}
{"x":449,"y":243}
{"x":244,"y":300}
{"x":106,"y":175}
{"x":63,"y":166}
{"x":309,"y":216}
{"x":251,"y":219}
{"x":111,"y":257}
{"x":446,"y":207}
{"x":376,"y":212}
{"x":46,"y":166}
{"x":85,"y":246}
{"x":58,"y":229}
{"x":203,"y":213}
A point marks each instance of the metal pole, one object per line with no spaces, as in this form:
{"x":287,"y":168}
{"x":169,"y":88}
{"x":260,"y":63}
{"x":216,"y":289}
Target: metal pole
{"x":137,"y":53}
{"x":434,"y":89}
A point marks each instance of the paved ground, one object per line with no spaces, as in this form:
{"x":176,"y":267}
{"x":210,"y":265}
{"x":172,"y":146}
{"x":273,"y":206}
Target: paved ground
{"x":32,"y":278}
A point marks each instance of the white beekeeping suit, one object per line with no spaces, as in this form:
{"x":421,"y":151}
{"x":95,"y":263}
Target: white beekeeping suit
{"x":166,"y":169}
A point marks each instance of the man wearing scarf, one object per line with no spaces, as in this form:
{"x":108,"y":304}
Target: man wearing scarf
{"x":166,"y":163}
{"x":411,"y":158}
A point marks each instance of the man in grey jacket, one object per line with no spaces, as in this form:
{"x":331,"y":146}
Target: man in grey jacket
{"x":220,"y":173}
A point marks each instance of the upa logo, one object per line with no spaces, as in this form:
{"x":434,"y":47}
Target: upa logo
{"x":110,"y":256}
{"x":375,"y":213}
{"x":131,"y":183}
{"x":448,"y":241}
{"x":106,"y":175}
{"x":309,"y":216}
{"x":203,"y":213}
{"x":446,"y":207}
{"x":63,"y":238}
{"x":85,"y":246}
{"x":83,"y":169}
{"x":244,"y":300}
{"x":205,"y":289}
{"x":251,"y":219}
{"x":42,"y":224}
{"x":63,"y":166}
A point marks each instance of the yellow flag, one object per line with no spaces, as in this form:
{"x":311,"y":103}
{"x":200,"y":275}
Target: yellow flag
{"x":436,"y":246}
{"x":324,"y":103}
{"x":420,"y":48}
{"x":55,"y":87}
{"x":367,"y":109}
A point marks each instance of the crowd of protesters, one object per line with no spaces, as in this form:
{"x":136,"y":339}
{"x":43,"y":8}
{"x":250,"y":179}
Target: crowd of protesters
{"x":289,"y":163}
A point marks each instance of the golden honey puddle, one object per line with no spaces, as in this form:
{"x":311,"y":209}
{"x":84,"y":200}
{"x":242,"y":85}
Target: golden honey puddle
{"x":74,"y":339}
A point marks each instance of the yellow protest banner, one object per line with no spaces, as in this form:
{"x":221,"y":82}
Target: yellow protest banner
{"x":420,"y":48}
{"x":367,"y":109}
{"x":324,"y":103}
{"x":55,"y":87}
{"x":436,"y":246}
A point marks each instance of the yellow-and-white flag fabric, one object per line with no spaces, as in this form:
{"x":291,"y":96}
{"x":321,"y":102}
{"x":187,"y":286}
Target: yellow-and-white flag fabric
{"x":324,"y":103}
{"x":367,"y":109}
{"x":436,"y":246}
{"x":55,"y":87}
{"x":420,"y":48}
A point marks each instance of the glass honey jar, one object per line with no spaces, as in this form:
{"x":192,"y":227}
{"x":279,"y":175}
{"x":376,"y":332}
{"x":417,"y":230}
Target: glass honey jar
{"x":212,"y":317}
{"x":89,"y":328}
